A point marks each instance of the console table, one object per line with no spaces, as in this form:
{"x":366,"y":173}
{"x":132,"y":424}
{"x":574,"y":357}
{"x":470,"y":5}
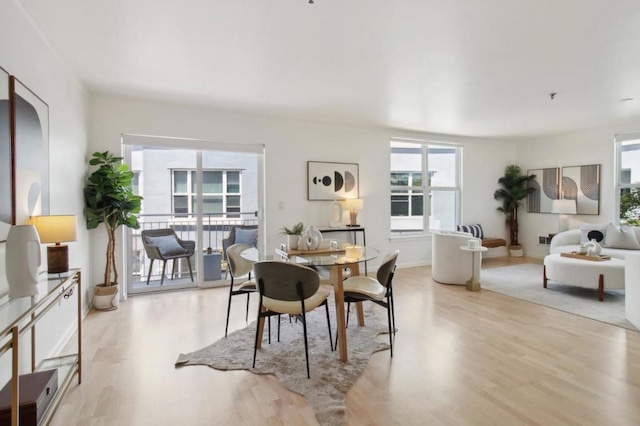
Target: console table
{"x":353,"y":230}
{"x":19,"y":316}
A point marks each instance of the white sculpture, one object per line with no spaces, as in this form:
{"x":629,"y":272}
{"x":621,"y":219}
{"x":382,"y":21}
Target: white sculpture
{"x":310,"y":239}
{"x":593,"y":248}
{"x":22,"y":260}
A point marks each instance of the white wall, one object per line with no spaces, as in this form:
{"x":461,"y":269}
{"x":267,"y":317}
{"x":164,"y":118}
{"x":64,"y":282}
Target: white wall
{"x":288,"y":147}
{"x":25,"y":54}
{"x":588,"y":147}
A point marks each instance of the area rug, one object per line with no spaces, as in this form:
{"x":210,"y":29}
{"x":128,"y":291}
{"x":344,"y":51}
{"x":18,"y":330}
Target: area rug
{"x":330,"y":379}
{"x":525,"y":282}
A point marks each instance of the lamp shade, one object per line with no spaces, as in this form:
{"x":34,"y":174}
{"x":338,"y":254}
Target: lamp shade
{"x":56,"y":229}
{"x":353,"y":203}
{"x":563,"y":206}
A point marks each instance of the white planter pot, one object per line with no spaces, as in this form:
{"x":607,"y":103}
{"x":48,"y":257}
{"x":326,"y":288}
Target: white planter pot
{"x":292,"y":241}
{"x":105,"y":298}
{"x":516,"y":251}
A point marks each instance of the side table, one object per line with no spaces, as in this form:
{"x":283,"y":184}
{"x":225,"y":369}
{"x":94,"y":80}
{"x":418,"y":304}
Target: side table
{"x":473,"y":283}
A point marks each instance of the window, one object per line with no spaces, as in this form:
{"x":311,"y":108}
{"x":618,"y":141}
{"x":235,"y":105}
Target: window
{"x":425,"y":186}
{"x":628,"y":179}
{"x":221,"y":195}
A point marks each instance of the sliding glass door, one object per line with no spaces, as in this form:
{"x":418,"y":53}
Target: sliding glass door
{"x":197,"y":193}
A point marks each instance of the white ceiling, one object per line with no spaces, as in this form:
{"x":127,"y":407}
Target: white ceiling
{"x":476,"y":67}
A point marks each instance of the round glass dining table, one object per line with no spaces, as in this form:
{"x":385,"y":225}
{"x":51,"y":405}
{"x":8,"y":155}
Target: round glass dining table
{"x":336,"y":260}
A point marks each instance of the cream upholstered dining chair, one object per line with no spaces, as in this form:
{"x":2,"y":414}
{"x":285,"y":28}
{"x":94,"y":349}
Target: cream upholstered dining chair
{"x":239,"y":267}
{"x":288,"y":288}
{"x":449,"y":264}
{"x":378,"y":290}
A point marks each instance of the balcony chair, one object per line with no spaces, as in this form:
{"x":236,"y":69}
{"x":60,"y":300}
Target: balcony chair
{"x":287,"y":288}
{"x":164,"y":245}
{"x":240,"y":234}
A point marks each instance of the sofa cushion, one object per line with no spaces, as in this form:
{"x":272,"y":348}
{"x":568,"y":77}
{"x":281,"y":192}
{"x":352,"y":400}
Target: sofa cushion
{"x":593,"y":231}
{"x":167,"y":245}
{"x":475,"y":230}
{"x":246,"y":236}
{"x":621,"y":237}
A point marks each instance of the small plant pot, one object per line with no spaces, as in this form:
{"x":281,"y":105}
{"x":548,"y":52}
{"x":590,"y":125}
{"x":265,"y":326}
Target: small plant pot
{"x":105,"y":298}
{"x":516,"y":250}
{"x":292,"y":241}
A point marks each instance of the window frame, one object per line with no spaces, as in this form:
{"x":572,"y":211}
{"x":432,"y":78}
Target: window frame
{"x":426,"y":189}
{"x":620,"y":142}
{"x":191,"y":192}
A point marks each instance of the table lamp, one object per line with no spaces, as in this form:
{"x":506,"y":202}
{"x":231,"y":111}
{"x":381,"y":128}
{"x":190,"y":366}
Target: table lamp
{"x":56,"y":229}
{"x":353,"y":205}
{"x":563,"y":208}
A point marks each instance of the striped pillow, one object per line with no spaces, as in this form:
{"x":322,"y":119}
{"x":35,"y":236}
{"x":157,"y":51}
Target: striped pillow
{"x":475,"y":230}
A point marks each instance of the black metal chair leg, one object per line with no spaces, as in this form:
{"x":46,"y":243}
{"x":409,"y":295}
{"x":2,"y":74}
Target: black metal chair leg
{"x":279,"y":327}
{"x":393,"y":311}
{"x":390,"y":330}
{"x":246,"y":318}
{"x":269,"y":330}
{"x":348,"y":310}
{"x":255,"y":345}
{"x":173,"y":268}
{"x":150,"y":268}
{"x":190,"y":270}
{"x":306,"y":345}
{"x":326,"y":305}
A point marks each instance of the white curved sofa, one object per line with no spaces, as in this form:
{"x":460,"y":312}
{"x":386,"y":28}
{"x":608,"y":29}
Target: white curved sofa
{"x":569,"y":241}
{"x":449,"y":264}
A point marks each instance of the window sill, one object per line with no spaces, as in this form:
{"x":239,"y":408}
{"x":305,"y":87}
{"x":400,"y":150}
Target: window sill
{"x":411,"y":237}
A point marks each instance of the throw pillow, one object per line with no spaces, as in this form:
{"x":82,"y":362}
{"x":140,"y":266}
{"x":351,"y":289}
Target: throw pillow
{"x":247,"y":236}
{"x":475,"y":230}
{"x":593,"y":231}
{"x":621,"y":237}
{"x":167,"y":245}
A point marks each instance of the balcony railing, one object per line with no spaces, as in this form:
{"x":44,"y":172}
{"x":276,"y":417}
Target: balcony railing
{"x":216,"y":228}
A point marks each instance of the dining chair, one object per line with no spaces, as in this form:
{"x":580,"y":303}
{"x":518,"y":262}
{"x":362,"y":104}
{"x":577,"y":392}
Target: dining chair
{"x":287,"y":288}
{"x":164,"y":245}
{"x":239,"y":267}
{"x":378,"y":290}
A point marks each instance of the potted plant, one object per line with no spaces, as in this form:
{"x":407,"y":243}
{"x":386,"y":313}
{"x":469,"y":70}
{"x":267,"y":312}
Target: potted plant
{"x":109,"y":199}
{"x":293,"y":234}
{"x":514,"y":188}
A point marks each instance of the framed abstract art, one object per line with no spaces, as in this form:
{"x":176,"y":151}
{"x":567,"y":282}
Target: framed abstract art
{"x":546,"y":189}
{"x":29,"y":116}
{"x":582,"y":183}
{"x":332,"y":181}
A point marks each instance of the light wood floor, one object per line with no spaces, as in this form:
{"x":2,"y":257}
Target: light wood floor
{"x":460,"y":358}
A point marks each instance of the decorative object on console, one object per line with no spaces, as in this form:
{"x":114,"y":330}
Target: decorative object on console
{"x":353,"y":205}
{"x":546,"y":187}
{"x":6,"y":183}
{"x":56,"y":229}
{"x":293,"y":234}
{"x":563,"y":208}
{"x":29,"y":152}
{"x":582,"y":183}
{"x":514,"y":187}
{"x":335,"y":214}
{"x":23,"y":260}
{"x":329,"y":181}
{"x":109,"y":199}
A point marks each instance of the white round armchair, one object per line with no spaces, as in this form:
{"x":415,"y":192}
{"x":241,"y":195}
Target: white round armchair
{"x":449,"y":264}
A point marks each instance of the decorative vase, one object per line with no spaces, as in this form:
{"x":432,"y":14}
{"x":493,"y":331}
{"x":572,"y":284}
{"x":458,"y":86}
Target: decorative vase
{"x":22,"y":260}
{"x":292,"y":241}
{"x":593,"y":248}
{"x":335,"y":214}
{"x":317,"y":235}
{"x":310,"y":239}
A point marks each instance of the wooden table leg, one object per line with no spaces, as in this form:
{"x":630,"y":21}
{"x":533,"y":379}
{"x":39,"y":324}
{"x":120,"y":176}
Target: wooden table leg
{"x":355,"y":271}
{"x":338,"y":290}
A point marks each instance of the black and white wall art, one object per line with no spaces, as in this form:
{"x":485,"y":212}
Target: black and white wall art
{"x":582,"y":183}
{"x":30,"y":152}
{"x":546,"y":189}
{"x":332,"y":181}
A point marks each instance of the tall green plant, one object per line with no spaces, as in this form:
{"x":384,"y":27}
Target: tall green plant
{"x":109,"y":199}
{"x":514,"y":188}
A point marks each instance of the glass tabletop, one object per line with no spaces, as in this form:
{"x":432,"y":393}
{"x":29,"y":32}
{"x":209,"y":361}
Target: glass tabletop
{"x":353,"y":254}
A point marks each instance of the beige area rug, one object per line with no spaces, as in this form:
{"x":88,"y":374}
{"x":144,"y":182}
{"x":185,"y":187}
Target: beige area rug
{"x":330,"y":380}
{"x":525,"y":282}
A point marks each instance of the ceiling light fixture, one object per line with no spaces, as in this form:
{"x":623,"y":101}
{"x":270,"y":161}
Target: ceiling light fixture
{"x":552,"y":95}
